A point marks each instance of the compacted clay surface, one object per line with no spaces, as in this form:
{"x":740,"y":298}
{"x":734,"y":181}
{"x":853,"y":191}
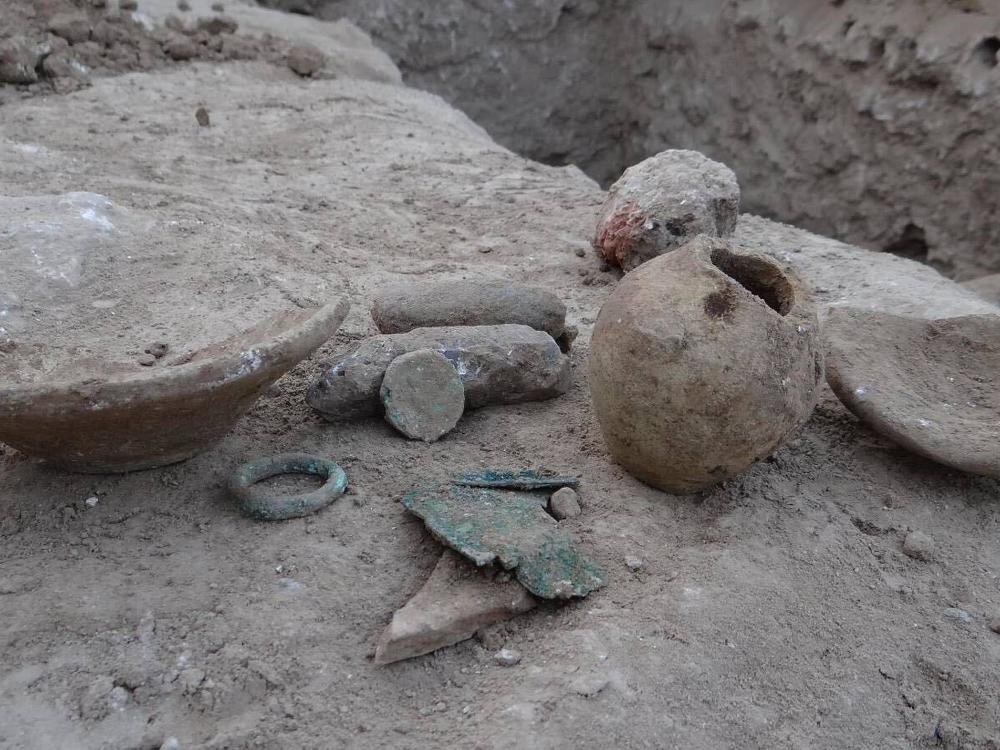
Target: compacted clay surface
{"x":776,"y":610}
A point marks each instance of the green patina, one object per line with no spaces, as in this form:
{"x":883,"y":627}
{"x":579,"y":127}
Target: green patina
{"x":525,"y":479}
{"x":510,"y":528}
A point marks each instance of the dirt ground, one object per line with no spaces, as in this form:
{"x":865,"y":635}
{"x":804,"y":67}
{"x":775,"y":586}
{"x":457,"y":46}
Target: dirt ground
{"x":859,"y":120}
{"x":777,"y":610}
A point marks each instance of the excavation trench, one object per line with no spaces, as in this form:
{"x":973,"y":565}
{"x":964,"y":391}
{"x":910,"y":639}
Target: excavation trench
{"x":865,"y":123}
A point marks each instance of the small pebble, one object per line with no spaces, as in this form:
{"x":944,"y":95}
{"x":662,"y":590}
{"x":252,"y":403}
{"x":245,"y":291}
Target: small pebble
{"x":305,"y":59}
{"x":92,"y":501}
{"x":146,"y":360}
{"x":183,"y":5}
{"x":954,"y":613}
{"x":634,"y":563}
{"x":157,"y":349}
{"x":440,"y":707}
{"x":565,"y":503}
{"x":171,"y":743}
{"x":128,"y":4}
{"x":507,"y":657}
{"x":201,"y":115}
{"x":919,"y":546}
{"x":580,"y":252}
{"x":118,"y":697}
{"x":995,"y":624}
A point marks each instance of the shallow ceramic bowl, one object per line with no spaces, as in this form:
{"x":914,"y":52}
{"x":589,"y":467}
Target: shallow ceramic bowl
{"x":931,"y":386}
{"x":167,"y":414}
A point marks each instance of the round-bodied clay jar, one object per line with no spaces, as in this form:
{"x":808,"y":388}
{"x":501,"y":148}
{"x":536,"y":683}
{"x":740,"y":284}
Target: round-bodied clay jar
{"x":701,"y":362}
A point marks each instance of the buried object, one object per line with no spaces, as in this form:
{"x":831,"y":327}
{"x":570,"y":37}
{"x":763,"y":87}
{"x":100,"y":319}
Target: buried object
{"x":932,"y":386}
{"x":126,"y":422}
{"x":659,"y":204}
{"x":423,"y":395}
{"x":505,"y":364}
{"x":264,"y":505}
{"x":457,"y":600}
{"x":402,"y":307}
{"x":701,"y":362}
{"x":511,"y":528}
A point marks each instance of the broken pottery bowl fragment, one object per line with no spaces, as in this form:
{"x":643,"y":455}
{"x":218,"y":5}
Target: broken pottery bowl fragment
{"x":512,"y":529}
{"x":158,"y":416}
{"x":932,"y":386}
{"x":457,"y":600}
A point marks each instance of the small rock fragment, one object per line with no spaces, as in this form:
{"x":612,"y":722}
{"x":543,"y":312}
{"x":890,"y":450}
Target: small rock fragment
{"x":158,"y":349}
{"x":73,"y":27}
{"x":92,"y":501}
{"x":180,"y":48}
{"x":954,"y":613}
{"x":218,"y":25}
{"x":128,"y":4}
{"x":171,"y":743}
{"x":305,"y":59}
{"x":183,"y":5}
{"x":453,"y":604}
{"x":402,"y":307}
{"x":507,"y":657}
{"x":19,"y":60}
{"x":146,"y":360}
{"x":201,"y":115}
{"x":63,"y":65}
{"x":634,"y":563}
{"x":505,"y":364}
{"x":661,"y":203}
{"x":565,"y":503}
{"x":118,"y":698}
{"x":423,"y":396}
{"x":995,"y":624}
{"x":918,"y":545}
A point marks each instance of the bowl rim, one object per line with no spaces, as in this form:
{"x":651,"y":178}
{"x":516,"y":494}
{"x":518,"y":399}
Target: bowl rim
{"x":251,"y":360}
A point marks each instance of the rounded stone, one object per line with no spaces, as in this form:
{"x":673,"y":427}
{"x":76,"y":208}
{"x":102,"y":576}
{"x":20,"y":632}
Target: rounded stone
{"x":305,"y":59}
{"x":662,"y":202}
{"x":702,"y":361}
{"x":423,"y":395}
{"x":565,"y":503}
{"x":918,"y":545}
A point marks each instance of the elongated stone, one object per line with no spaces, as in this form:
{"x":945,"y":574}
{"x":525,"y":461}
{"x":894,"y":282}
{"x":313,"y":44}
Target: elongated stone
{"x":402,"y":307}
{"x":505,"y":364}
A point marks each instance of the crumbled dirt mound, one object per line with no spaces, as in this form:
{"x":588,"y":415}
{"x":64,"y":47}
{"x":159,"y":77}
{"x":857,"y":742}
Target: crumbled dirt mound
{"x":58,"y":45}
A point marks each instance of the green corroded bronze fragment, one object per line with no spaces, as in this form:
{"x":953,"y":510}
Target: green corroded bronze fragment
{"x":511,"y":528}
